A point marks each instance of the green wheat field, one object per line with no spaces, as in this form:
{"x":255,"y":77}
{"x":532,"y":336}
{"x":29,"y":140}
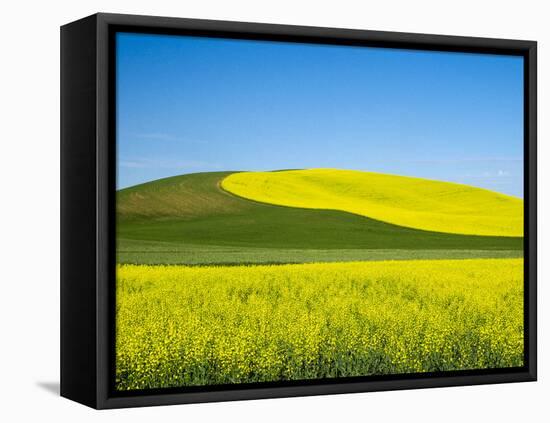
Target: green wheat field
{"x":241,"y":277}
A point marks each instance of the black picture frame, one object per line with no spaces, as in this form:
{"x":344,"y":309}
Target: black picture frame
{"x":88,"y":149}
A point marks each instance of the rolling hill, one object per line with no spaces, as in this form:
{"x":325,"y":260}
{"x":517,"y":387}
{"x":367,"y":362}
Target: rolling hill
{"x":191,"y":219}
{"x":400,"y":200}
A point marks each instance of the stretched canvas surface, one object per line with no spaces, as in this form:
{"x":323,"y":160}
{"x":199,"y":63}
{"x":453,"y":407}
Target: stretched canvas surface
{"x":291,"y":212}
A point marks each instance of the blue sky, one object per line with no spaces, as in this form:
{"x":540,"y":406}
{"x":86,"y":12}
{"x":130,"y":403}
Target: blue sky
{"x":193,"y":104}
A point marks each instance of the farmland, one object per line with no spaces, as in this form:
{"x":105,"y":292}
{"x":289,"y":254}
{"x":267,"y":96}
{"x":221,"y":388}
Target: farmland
{"x":188,"y":326}
{"x":243,"y":277}
{"x":155,"y":252}
{"x":401,"y":200}
{"x":165,"y":221}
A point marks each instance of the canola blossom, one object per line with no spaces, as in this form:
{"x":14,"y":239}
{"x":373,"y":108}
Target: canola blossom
{"x":191,"y":326}
{"x":406,"y":201}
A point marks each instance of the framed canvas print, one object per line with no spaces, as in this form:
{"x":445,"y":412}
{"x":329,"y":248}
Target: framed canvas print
{"x":254,"y":211}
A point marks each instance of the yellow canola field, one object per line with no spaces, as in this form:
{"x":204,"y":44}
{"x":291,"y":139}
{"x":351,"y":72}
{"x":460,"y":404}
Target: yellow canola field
{"x":400,"y":200}
{"x":189,"y":326}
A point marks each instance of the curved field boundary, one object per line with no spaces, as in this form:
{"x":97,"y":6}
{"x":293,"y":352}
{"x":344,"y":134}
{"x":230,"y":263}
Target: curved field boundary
{"x":408,"y":202}
{"x":189,"y":219}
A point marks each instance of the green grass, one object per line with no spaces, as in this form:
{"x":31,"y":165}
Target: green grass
{"x":156,"y":252}
{"x":188,"y":214}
